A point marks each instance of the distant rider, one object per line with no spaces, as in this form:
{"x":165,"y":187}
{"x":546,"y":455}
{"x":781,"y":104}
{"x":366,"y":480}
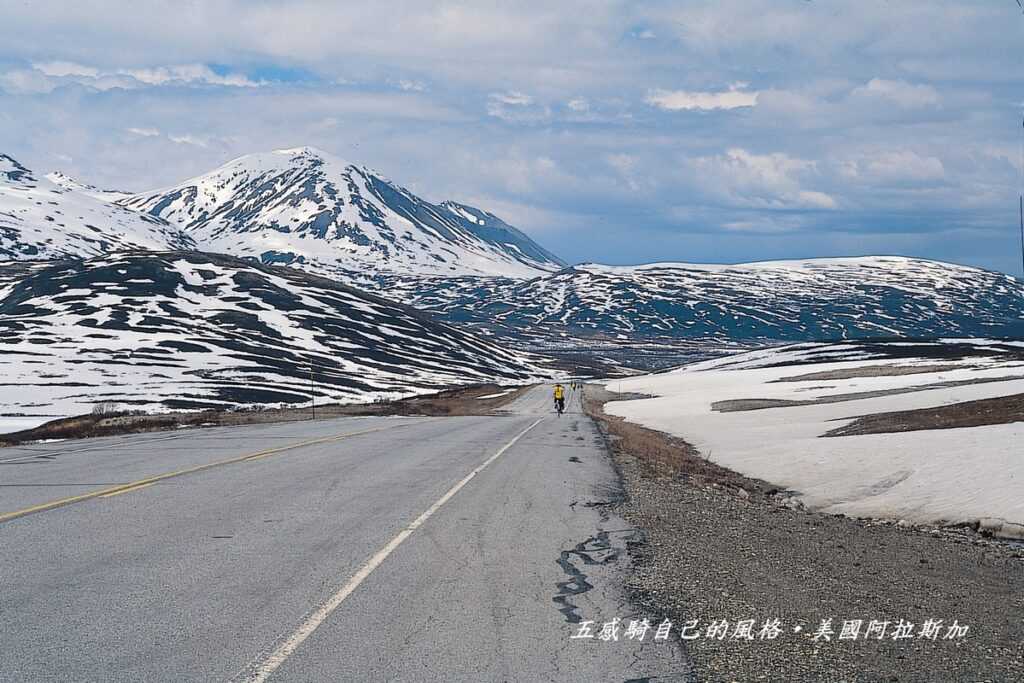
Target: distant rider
{"x":559,"y":398}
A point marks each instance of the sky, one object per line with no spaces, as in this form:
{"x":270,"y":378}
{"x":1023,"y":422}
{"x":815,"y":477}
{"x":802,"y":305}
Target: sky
{"x":615,"y":132}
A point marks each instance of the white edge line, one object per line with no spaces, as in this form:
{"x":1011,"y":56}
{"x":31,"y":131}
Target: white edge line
{"x":276,"y":658}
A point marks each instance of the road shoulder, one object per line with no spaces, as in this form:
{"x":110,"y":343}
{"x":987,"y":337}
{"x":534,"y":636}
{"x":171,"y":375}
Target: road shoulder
{"x":720,"y":547}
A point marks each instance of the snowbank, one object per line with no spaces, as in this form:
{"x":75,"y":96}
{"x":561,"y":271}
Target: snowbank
{"x":965,"y":475}
{"x":9,"y":425}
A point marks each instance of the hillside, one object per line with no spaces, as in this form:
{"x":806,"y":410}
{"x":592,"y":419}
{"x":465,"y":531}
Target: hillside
{"x":882,"y":296}
{"x":191,"y":330}
{"x":43,"y":219}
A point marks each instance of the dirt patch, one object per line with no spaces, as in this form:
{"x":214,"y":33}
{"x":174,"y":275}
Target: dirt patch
{"x":870,"y":371}
{"x":987,"y":411}
{"x":453,"y":402}
{"x":712,"y":553}
{"x":742,"y":404}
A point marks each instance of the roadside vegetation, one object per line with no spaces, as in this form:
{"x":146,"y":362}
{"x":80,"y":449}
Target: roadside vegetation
{"x":480,"y":399}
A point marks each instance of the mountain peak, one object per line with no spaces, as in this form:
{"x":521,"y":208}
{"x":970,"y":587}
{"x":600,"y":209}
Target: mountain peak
{"x":305,"y":150}
{"x":307,"y":207}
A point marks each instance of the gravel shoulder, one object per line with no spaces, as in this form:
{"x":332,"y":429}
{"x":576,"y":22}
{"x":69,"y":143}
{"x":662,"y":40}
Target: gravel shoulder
{"x":720,"y":546}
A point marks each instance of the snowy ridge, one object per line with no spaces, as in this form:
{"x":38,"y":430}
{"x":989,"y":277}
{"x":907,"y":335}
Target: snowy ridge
{"x":43,"y":219}
{"x":880,"y":296}
{"x":69,"y":183}
{"x":307,"y":208}
{"x":189,"y":330}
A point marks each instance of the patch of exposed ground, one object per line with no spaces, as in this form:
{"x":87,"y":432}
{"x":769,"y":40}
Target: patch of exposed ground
{"x":742,"y":404}
{"x":870,"y":371}
{"x":721,"y":546}
{"x":459,"y":401}
{"x":987,"y":411}
{"x":663,"y":453}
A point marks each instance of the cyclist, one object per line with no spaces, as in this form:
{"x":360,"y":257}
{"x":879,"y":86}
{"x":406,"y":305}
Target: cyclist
{"x":559,"y":399}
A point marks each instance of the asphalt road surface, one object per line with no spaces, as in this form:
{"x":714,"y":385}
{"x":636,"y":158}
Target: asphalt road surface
{"x":352,"y":549}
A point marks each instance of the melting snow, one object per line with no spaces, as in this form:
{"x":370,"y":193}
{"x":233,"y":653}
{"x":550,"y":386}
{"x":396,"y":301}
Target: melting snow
{"x":927,"y":476}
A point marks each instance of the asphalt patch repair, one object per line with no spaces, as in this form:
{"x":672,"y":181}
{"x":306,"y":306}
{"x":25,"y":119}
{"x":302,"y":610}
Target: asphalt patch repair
{"x":720,"y":546}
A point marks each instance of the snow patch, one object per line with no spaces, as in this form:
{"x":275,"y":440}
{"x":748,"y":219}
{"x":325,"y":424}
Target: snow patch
{"x":952,"y":476}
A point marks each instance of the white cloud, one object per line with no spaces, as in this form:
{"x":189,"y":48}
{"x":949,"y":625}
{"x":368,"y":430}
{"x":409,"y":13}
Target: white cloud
{"x":626,"y":166}
{"x":764,"y":225}
{"x":769,"y":181}
{"x":684,"y":100}
{"x":513,"y":98}
{"x":187,"y":140}
{"x":411,"y":86}
{"x":187,"y":73}
{"x":178,"y":139}
{"x":895,"y":166}
{"x":45,"y":77}
{"x":904,"y":94}
{"x":516,"y":107}
{"x":815,"y":199}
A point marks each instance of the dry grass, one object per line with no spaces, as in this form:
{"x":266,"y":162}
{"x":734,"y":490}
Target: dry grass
{"x":988,"y":411}
{"x":742,"y":404}
{"x":454,"y":402}
{"x":870,"y":371}
{"x":86,"y":426}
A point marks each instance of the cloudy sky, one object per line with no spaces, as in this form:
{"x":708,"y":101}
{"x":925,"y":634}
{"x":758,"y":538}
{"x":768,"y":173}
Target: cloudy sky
{"x":618,"y":132}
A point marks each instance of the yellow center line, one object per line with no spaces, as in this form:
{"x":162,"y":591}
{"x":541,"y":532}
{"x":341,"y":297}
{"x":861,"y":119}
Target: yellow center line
{"x":127,"y":490}
{"x":142,"y":483}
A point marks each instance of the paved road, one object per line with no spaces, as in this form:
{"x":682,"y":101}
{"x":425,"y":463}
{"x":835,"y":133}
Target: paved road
{"x":354,"y":549}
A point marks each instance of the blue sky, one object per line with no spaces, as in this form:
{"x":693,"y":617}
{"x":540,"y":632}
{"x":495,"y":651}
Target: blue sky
{"x":625,"y":132}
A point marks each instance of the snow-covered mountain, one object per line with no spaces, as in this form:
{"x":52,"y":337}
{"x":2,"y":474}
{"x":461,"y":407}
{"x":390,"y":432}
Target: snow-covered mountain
{"x":307,"y":208}
{"x":771,"y":301}
{"x":191,"y":330}
{"x":44,"y":219}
